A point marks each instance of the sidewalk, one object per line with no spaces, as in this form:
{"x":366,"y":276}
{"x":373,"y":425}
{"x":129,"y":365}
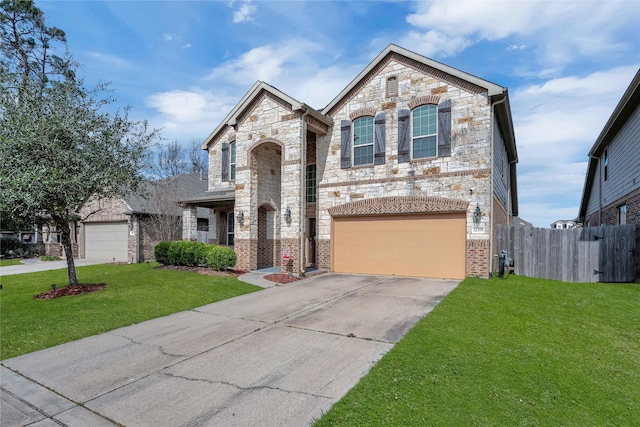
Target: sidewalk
{"x":32,"y":265}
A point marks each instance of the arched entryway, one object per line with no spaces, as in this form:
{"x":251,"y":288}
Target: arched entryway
{"x":268,"y":245}
{"x":266,"y":166}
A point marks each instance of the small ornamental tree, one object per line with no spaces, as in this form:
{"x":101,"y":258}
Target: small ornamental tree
{"x":58,"y":148}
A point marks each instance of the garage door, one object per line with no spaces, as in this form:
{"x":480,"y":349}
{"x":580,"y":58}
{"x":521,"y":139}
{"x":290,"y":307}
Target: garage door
{"x":106,"y":241}
{"x":404,"y":245}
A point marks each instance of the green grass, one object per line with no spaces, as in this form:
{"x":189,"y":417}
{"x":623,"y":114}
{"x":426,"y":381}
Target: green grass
{"x":516,"y":352}
{"x":8,"y":262}
{"x":134,"y":293}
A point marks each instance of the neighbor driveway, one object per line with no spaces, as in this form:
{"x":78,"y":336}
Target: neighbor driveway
{"x":278,"y":357}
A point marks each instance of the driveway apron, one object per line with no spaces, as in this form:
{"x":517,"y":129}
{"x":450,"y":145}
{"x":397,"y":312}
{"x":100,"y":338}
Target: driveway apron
{"x":278,"y":357}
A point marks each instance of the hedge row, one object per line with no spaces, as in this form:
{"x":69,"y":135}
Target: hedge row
{"x":187,"y":253}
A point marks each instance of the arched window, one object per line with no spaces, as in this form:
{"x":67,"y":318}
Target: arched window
{"x":424,"y":131}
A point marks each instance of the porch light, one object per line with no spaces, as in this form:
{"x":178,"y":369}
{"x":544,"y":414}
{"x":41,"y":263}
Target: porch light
{"x":477,"y":215}
{"x":240,"y":216}
{"x":287,"y":214}
{"x":130,"y":223}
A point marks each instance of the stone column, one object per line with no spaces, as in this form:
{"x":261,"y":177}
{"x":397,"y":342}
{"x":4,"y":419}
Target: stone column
{"x":189,"y":223}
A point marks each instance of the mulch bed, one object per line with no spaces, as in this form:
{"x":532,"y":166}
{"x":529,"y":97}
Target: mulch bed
{"x":203,"y":270}
{"x":280,"y":278}
{"x":70,"y":290}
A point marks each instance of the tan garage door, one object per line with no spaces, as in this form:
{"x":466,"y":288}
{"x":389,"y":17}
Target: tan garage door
{"x":404,"y":245}
{"x":106,"y":241}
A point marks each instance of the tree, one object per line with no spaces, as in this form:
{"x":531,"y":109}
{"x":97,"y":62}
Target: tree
{"x":198,"y":158}
{"x":57,"y":147}
{"x":171,"y":160}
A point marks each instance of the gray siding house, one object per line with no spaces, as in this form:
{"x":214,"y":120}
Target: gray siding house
{"x":611,"y":192}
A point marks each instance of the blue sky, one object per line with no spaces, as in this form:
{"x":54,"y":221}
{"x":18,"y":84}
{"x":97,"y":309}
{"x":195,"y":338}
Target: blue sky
{"x":183,"y":65}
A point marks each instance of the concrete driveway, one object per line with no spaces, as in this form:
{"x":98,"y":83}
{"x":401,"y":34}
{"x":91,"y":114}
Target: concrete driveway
{"x":278,"y":357}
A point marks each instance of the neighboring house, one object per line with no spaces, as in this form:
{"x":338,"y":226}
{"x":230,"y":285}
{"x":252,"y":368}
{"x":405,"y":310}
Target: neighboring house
{"x":611,"y":192}
{"x":406,"y":172}
{"x":564,"y":223}
{"x":521,"y":222}
{"x":127,"y":229}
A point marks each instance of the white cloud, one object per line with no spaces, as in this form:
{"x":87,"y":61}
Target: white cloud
{"x":168,"y":37}
{"x":558,"y":31}
{"x":188,"y":114}
{"x":268,"y":63}
{"x":556,"y":124}
{"x":245,"y":13}
{"x":110,"y":60}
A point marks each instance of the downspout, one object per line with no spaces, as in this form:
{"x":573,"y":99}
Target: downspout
{"x":597,"y":159}
{"x":493,"y":161}
{"x":303,"y":193}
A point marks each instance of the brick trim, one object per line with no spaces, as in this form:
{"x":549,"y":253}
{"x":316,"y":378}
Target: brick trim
{"x":428,"y":174}
{"x":424,"y":100}
{"x":399,"y":205}
{"x":362,"y":112}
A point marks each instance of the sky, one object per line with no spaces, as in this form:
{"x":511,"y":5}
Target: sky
{"x":183,"y":65}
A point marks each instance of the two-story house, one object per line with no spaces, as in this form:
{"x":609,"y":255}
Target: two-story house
{"x":611,"y":192}
{"x":405,"y":172}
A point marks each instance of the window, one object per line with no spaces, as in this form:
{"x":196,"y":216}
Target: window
{"x":232,"y":159}
{"x":230,"y":228}
{"x":392,"y":86}
{"x":363,"y":141}
{"x":606,"y":165}
{"x":202,"y":224}
{"x":424,"y":131}
{"x":311,"y":183}
{"x":622,"y":214}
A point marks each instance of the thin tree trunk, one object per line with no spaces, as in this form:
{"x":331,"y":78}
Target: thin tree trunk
{"x":65,"y":229}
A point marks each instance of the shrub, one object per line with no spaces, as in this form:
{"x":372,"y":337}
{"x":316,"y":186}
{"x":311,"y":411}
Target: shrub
{"x":195,"y":253}
{"x":10,"y":247}
{"x":221,"y":257}
{"x":161,"y":252}
{"x":200,"y":253}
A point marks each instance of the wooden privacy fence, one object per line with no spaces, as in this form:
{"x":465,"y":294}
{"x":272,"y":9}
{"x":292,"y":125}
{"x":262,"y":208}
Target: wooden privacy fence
{"x":588,"y":254}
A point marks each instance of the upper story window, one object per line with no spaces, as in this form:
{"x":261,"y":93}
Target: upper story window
{"x":424,"y":132}
{"x":606,"y":165}
{"x":232,"y":159}
{"x":392,"y":86}
{"x":311,"y":183}
{"x":363,"y":141}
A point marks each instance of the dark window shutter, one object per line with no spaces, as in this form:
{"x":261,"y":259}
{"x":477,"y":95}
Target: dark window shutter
{"x":404,"y":139}
{"x":225,"y":161}
{"x":345,"y":144}
{"x":444,"y":128}
{"x":379,"y":140}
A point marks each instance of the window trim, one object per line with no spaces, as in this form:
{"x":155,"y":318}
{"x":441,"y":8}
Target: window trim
{"x":369,"y":144}
{"x":435,"y":134}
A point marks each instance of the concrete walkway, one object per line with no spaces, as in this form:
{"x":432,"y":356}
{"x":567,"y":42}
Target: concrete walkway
{"x":32,"y":265}
{"x":278,"y":357}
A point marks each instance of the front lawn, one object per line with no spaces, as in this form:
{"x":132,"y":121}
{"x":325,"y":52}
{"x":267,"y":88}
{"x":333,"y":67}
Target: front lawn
{"x":10,"y":261}
{"x":134,"y":293}
{"x":512,"y":352}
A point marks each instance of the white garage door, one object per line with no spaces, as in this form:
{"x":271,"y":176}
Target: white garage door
{"x":432,"y":245}
{"x":106,"y":241}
